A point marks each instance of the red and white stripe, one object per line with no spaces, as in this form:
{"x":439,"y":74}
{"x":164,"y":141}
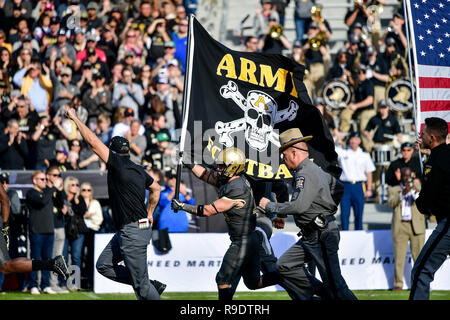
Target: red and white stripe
{"x":432,"y":86}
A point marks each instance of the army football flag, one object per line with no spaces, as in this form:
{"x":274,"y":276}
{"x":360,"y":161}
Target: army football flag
{"x":245,"y":100}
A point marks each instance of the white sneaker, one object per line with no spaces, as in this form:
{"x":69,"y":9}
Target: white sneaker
{"x":35,"y":291}
{"x":49,"y":290}
{"x":60,"y":290}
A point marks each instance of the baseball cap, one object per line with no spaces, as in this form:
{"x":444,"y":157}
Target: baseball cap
{"x":92,"y":5}
{"x":90,"y":52}
{"x":84,"y":15}
{"x":129,"y":53}
{"x":169,"y":44}
{"x":354,"y":38}
{"x":26,"y":39}
{"x":54,"y":20}
{"x":49,"y":6}
{"x":390,"y":41}
{"x":119,"y":145}
{"x":162,"y":136}
{"x":406,"y":145}
{"x":61,"y":32}
{"x":91,"y":37}
{"x":354,"y":135}
{"x":383,"y":103}
{"x":129,"y":112}
{"x":164,"y":80}
{"x":171,"y":173}
{"x":67,"y":71}
{"x":4,"y":177}
{"x":362,"y":67}
{"x":173,"y":62}
{"x":63,"y":151}
{"x":370,"y":50}
{"x":399,"y":15}
{"x":87,"y":65}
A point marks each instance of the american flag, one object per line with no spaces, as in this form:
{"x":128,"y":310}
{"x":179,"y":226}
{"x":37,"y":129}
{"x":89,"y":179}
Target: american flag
{"x":429,"y":22}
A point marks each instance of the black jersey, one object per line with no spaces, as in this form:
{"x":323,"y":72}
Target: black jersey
{"x":435,"y":194}
{"x":127,"y":183}
{"x":241,"y":221}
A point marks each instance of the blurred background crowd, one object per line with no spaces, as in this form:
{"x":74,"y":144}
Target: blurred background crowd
{"x":121,"y":64}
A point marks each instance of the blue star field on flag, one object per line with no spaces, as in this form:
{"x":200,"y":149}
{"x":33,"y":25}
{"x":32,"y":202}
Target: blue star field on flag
{"x":431,"y":19}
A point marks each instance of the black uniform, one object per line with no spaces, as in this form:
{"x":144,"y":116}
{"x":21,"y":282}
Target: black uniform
{"x":434,"y":199}
{"x":242,"y":257}
{"x":388,"y":126}
{"x":413,"y":164}
{"x":364,"y":90}
{"x":127,"y":183}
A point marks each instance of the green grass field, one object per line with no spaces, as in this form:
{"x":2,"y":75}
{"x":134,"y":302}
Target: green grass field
{"x":90,"y":295}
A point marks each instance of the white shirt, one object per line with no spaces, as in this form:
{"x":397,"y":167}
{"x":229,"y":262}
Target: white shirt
{"x":355,"y":164}
{"x":121,"y":129}
{"x":407,"y":202}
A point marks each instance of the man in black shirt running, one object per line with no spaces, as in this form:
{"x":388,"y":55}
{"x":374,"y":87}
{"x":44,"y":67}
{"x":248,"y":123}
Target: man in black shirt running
{"x":127,"y":183}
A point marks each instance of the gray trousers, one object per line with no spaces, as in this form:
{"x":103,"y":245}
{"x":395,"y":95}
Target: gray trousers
{"x":58,"y":246}
{"x":433,"y":255}
{"x":129,"y":245}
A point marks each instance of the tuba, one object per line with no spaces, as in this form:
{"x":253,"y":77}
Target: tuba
{"x":276,"y":31}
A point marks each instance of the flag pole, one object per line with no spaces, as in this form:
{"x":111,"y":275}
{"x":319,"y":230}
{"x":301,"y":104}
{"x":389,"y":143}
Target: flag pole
{"x":411,"y":79}
{"x":186,"y":100}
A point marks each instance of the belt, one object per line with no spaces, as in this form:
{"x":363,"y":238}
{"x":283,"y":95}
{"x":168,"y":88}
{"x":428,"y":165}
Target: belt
{"x":311,"y":227}
{"x":354,"y":181}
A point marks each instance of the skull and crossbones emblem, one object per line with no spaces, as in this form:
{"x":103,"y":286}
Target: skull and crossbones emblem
{"x":260,"y":115}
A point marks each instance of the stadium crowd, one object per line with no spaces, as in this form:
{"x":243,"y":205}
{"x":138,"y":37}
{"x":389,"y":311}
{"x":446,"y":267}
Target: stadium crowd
{"x":122,"y":65}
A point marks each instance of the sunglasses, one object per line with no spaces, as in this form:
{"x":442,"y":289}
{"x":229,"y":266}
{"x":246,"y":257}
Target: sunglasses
{"x":42,"y":179}
{"x":55,"y":174}
{"x":74,"y":185}
{"x":86,"y":190}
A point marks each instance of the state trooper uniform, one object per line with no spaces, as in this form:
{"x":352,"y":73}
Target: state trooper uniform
{"x":433,"y":200}
{"x":313,"y":209}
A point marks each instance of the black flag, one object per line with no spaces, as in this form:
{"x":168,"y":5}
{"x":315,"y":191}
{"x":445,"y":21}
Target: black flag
{"x":245,"y":100}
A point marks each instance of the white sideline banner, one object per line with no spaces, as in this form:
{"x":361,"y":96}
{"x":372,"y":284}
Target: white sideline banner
{"x":366,"y":259}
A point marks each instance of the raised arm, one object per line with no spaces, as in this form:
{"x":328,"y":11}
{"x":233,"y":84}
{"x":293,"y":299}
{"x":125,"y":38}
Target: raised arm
{"x":91,"y":139}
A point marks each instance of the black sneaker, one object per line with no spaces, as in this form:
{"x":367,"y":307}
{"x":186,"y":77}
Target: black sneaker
{"x":60,"y":267}
{"x":159,"y":286}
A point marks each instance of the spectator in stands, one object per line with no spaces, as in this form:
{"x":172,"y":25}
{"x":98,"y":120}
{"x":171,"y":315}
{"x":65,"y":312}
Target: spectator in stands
{"x":50,"y":38}
{"x":354,"y":55}
{"x":94,"y":22}
{"x":378,"y":71}
{"x":337,"y":136}
{"x":179,"y":37}
{"x":363,"y":105}
{"x":74,"y":153}
{"x":54,"y":180}
{"x":103,"y":128}
{"x":109,"y":43}
{"x":44,"y":143}
{"x":65,"y":90}
{"x":382,"y":128}
{"x":93,"y":219}
{"x":75,"y":226}
{"x":89,"y":160}
{"x":60,"y":160}
{"x":145,"y":80}
{"x":174,"y":222}
{"x":262,"y":16}
{"x":357,"y":168}
{"x":41,"y":228}
{"x":251,"y":44}
{"x":138,"y":142}
{"x":168,"y":95}
{"x":128,"y":93}
{"x":97,"y":99}
{"x":408,"y":159}
{"x":13,"y":150}
{"x":158,"y":124}
{"x":7,"y":62}
{"x":408,"y":224}
{"x":97,"y":64}
{"x":131,"y":43}
{"x":21,"y":110}
{"x":123,"y":122}
{"x":64,"y":50}
{"x":35,"y":85}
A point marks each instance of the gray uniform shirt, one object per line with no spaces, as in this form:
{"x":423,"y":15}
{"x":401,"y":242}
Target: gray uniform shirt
{"x":311,"y":196}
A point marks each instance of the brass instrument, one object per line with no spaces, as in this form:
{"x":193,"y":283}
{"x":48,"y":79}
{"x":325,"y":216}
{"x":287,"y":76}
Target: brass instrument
{"x":276,"y":31}
{"x":374,"y":10}
{"x":321,"y":38}
{"x":393,"y":65}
